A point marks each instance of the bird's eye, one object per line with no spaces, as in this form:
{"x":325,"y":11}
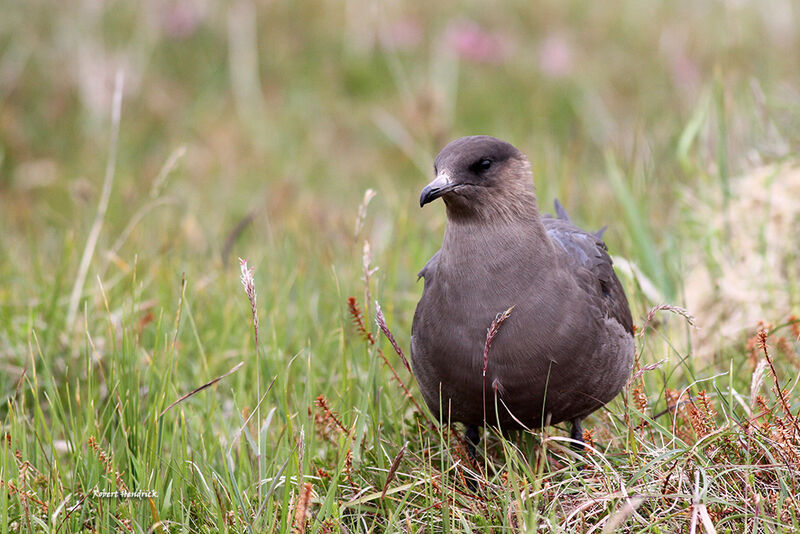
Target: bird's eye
{"x":484,"y":164}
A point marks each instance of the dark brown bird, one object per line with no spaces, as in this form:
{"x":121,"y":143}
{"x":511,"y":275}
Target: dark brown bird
{"x":567,"y":347}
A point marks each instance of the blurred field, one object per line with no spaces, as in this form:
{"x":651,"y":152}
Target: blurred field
{"x":253,"y":129}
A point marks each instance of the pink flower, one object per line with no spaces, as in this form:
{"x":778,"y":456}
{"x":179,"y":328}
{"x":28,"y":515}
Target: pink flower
{"x":555,"y":56}
{"x":401,"y":35}
{"x":181,"y":19}
{"x":684,"y":71}
{"x":470,"y":42}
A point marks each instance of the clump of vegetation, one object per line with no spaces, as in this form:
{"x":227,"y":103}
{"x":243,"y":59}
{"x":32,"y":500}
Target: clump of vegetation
{"x":726,"y":460}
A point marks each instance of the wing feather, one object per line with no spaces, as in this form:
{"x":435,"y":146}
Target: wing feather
{"x":588,"y":257}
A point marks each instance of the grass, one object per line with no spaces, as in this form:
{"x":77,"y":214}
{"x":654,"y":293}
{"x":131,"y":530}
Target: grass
{"x":253,"y":131}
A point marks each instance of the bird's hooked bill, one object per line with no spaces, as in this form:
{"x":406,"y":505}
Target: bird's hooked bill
{"x":441,"y":185}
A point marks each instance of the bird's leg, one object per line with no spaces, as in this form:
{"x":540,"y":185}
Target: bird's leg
{"x":577,"y":434}
{"x":472,"y":437}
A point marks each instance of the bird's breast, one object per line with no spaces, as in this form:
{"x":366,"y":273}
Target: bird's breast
{"x":464,"y":297}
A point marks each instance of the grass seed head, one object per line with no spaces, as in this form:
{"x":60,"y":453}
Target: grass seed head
{"x":248,"y":282}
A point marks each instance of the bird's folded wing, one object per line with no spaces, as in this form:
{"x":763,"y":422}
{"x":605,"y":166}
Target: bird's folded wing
{"x":430,"y":268}
{"x":587,"y":255}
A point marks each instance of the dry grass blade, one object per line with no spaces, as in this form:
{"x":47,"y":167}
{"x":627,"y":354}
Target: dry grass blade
{"x":623,"y":513}
{"x":201,"y":388}
{"x":402,"y":385}
{"x":386,"y":332}
{"x":366,"y":258}
{"x":699,"y":510}
{"x":166,"y":170}
{"x":158,"y":524}
{"x":369,"y":194}
{"x":393,"y":469}
{"x":638,"y":374}
{"x":756,"y":382}
{"x":233,"y":235}
{"x":102,"y":206}
{"x":677,"y":310}
{"x":705,"y":518}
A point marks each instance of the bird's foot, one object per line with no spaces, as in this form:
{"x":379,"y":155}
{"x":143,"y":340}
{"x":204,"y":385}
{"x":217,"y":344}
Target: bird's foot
{"x":576,"y":434}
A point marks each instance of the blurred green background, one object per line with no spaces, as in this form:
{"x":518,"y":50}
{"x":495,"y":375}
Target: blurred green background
{"x":294,"y":108}
{"x":253,"y":129}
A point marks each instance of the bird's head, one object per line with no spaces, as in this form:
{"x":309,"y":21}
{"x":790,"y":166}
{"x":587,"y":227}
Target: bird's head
{"x":480,"y":177}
